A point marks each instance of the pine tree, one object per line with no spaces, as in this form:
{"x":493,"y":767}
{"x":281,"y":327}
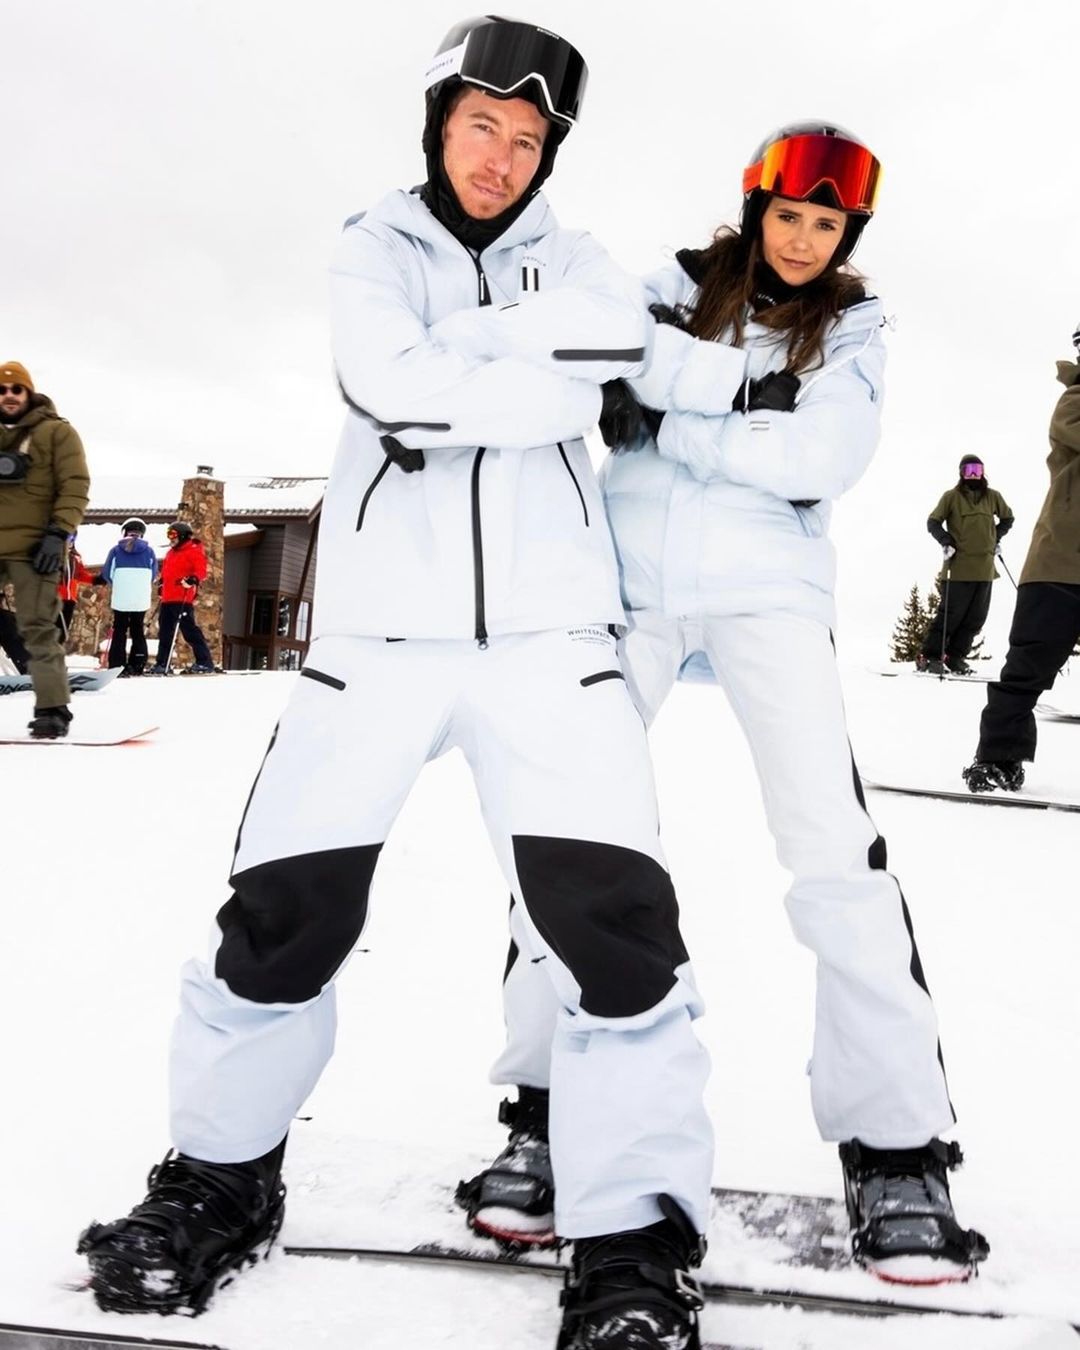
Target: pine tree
{"x":907,"y":637}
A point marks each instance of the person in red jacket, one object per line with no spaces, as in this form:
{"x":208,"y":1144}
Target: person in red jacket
{"x":182,"y":569}
{"x":73,"y":575}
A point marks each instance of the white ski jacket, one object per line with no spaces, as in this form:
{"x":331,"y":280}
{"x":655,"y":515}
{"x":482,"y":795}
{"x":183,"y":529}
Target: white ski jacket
{"x":492,"y":367}
{"x":704,"y":518}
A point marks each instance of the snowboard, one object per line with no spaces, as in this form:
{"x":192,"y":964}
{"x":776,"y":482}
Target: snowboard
{"x":80,"y":681}
{"x":1019,"y":799}
{"x":777,"y":1243}
{"x":16,"y":1337}
{"x":775,"y":1294}
{"x":123,"y":736}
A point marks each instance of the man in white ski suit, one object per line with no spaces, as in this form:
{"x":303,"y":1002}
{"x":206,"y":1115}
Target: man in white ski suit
{"x":466,"y":599}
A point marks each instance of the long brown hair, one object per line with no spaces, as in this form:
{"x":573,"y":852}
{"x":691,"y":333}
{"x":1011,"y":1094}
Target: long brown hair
{"x":725,"y":272}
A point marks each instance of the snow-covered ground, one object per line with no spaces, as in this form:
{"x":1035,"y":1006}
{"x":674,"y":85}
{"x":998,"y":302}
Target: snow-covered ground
{"x":114,"y":861}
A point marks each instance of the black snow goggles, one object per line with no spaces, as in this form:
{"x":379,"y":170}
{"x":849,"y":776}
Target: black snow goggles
{"x":505,"y":56}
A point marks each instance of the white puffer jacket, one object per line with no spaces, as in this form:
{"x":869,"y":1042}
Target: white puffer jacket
{"x":704,"y":520}
{"x":503,"y":530}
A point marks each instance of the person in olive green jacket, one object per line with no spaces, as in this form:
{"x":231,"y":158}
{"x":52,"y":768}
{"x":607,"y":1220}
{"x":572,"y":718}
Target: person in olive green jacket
{"x":1046,"y":621}
{"x":969,"y":523}
{"x":44,"y":488}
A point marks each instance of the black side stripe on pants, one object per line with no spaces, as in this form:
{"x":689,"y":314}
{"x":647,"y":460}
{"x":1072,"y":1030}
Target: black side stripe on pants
{"x":254,"y":785}
{"x":877,"y":859}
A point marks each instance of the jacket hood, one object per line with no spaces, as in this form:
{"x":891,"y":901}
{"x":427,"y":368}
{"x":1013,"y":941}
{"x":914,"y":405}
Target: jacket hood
{"x":407,"y":213}
{"x":1068,"y":372}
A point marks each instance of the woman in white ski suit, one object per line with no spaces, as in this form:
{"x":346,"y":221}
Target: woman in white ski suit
{"x":721,"y":526}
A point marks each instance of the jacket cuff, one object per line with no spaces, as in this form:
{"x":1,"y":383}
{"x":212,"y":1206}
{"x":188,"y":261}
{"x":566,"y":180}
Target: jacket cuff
{"x":710,"y":378}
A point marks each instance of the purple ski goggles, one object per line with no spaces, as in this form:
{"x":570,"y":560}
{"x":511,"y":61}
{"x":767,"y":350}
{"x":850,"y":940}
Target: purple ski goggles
{"x":972,"y":471}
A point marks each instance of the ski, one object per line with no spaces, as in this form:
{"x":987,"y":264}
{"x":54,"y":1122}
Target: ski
{"x":16,"y":1337}
{"x":947,"y":677}
{"x":1018,"y":799}
{"x":436,"y":1254}
{"x":1053,"y":714}
{"x":79,"y":681}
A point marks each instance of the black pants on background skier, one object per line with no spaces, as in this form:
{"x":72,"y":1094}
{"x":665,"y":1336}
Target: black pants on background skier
{"x":1046,"y":621}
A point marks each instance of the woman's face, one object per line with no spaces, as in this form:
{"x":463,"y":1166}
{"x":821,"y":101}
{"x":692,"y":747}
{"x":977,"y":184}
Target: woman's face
{"x":798,"y":239}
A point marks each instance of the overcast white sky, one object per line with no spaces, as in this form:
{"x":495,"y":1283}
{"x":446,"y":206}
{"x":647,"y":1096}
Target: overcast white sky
{"x":176,"y":173}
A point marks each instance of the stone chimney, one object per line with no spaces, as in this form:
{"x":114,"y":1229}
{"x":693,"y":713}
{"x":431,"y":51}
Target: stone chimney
{"x":203,"y":507}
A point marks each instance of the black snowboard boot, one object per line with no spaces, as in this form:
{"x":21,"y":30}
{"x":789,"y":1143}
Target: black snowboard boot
{"x":198,"y":1222}
{"x":985,"y":776}
{"x":634,"y":1291}
{"x":958,"y":666}
{"x":902,"y":1223}
{"x":48,"y":724}
{"x":513,"y":1200}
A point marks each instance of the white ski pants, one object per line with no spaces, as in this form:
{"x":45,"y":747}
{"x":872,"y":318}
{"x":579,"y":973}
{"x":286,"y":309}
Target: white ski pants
{"x":561,"y":765}
{"x":876,"y":1072}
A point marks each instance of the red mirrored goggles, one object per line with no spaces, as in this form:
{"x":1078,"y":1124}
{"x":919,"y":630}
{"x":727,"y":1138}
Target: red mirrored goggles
{"x":800,"y":165}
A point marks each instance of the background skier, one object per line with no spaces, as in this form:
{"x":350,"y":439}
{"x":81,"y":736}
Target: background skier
{"x":969,"y":522}
{"x":11,"y":644}
{"x":462,"y":519}
{"x":44,"y":489}
{"x":183,"y":567}
{"x":130,"y":569}
{"x":765,"y":386}
{"x":73,"y":577}
{"x":1046,"y":621}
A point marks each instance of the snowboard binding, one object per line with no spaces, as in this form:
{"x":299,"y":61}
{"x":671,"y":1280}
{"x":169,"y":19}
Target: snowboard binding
{"x":513,"y":1200}
{"x":903,"y":1227}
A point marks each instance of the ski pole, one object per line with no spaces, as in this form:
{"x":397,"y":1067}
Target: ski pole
{"x":172,"y":641}
{"x":945,"y":614}
{"x":1001,"y":560}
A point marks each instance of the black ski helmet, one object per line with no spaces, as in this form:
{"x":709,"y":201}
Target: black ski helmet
{"x":509,"y":59}
{"x":182,"y":530}
{"x":133,"y":526}
{"x":817,"y":162}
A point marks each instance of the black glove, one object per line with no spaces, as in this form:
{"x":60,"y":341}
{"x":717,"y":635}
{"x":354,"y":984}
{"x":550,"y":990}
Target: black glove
{"x":409,"y":461}
{"x":189,"y":581}
{"x":49,"y":554}
{"x":774,"y":392}
{"x":622,"y":422}
{"x":99,"y":580}
{"x":668,"y":314}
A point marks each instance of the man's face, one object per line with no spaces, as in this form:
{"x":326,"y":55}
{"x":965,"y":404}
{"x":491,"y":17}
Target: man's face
{"x":13,"y":401}
{"x":491,"y":151}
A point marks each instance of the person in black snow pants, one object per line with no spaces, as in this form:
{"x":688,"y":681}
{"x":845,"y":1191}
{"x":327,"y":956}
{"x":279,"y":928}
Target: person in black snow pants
{"x":969,"y":522}
{"x":1046,"y":622}
{"x":764,"y":392}
{"x":467,"y":599}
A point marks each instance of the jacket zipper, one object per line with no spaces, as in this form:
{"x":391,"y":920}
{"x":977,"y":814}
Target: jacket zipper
{"x":371,"y":488}
{"x":479,"y":599}
{"x":577,"y":485}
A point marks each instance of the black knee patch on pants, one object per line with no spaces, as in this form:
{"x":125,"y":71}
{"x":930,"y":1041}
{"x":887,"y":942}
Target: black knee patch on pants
{"x":609,"y":913}
{"x":290,"y":923}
